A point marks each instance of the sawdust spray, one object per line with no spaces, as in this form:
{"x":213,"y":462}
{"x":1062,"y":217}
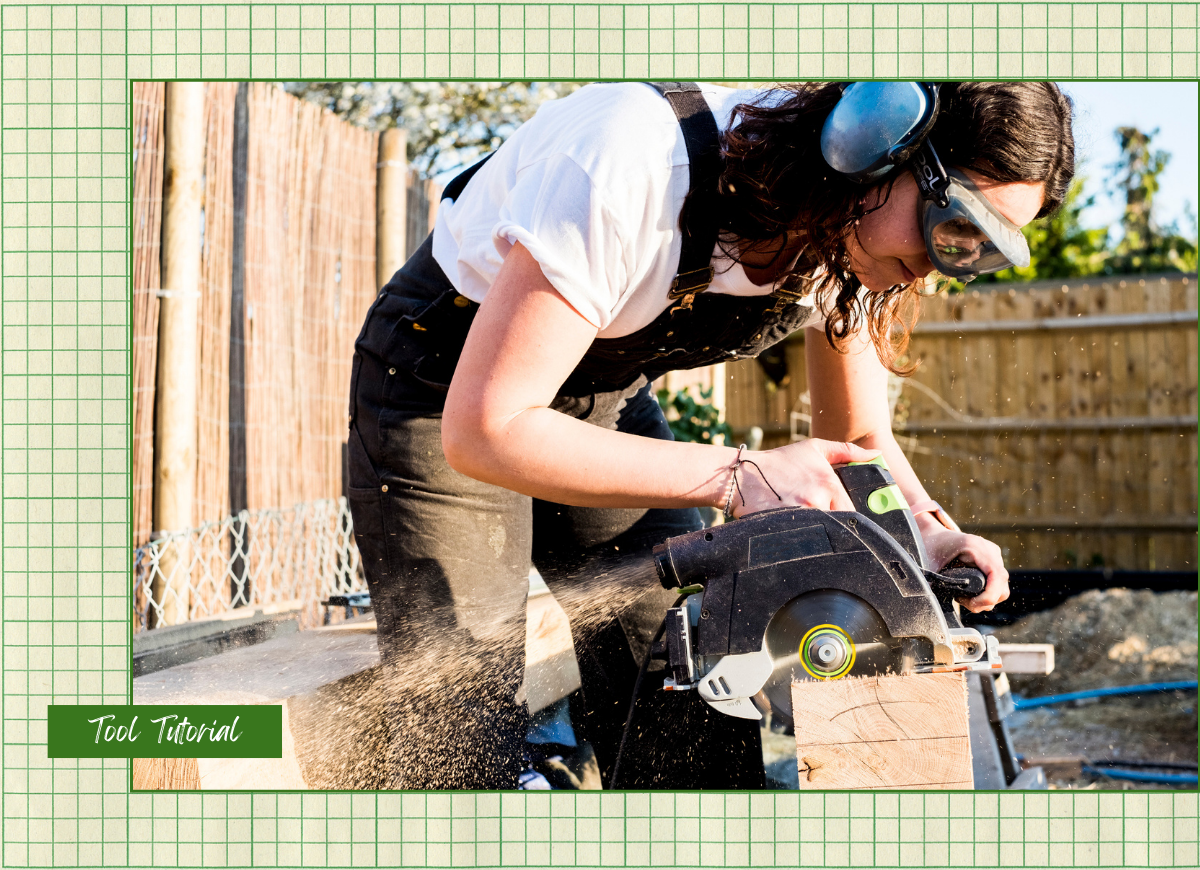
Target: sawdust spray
{"x":435,"y":716}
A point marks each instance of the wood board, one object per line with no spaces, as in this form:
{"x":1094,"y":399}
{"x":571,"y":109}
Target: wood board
{"x":891,"y":732}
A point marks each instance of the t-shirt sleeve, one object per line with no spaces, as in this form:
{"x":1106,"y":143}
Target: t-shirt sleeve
{"x":555,"y":211}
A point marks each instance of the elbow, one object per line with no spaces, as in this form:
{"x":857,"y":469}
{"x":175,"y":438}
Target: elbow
{"x":461,"y":444}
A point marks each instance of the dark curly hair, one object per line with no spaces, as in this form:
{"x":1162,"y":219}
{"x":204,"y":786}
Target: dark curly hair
{"x":775,"y":181}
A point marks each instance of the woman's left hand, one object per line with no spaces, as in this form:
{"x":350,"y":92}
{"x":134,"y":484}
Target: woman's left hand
{"x":944,"y":545}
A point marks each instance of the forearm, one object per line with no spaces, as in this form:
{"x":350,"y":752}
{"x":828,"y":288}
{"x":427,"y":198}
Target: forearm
{"x":548,"y":455}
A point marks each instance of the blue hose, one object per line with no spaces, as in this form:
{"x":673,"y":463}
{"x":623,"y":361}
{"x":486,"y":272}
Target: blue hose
{"x":1144,"y":688}
{"x":1141,"y":776}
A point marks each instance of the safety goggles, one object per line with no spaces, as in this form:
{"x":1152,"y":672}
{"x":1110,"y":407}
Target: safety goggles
{"x":964,"y":233}
{"x":878,"y":126}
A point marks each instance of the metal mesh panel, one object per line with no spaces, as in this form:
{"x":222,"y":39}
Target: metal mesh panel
{"x":301,"y":554}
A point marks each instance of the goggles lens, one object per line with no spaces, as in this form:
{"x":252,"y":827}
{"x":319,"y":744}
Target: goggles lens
{"x":958,"y":244}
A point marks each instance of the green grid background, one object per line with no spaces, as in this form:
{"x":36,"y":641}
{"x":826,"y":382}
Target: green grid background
{"x":64,"y":115}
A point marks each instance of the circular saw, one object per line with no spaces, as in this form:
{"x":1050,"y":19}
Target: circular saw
{"x":803,"y":594}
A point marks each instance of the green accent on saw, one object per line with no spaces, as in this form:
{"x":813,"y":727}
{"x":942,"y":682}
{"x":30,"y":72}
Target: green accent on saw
{"x":813,"y":668}
{"x":885,"y":499}
{"x":691,"y":590}
{"x":878,"y":460}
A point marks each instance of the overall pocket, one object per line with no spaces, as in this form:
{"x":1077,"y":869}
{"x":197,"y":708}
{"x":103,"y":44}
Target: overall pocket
{"x":424,"y":338}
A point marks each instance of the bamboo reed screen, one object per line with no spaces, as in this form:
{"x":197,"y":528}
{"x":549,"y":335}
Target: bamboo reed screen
{"x":148,"y":98}
{"x":216,"y":273}
{"x":1078,"y":446}
{"x":310,"y":253}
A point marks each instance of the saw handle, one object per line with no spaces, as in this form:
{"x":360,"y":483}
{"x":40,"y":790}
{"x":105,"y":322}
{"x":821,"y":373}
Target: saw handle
{"x":956,"y":580}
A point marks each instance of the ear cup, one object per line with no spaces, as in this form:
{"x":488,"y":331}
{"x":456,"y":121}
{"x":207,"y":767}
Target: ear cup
{"x":876,"y":126}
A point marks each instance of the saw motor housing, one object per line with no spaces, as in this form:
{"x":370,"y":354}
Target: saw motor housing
{"x":768,"y":575}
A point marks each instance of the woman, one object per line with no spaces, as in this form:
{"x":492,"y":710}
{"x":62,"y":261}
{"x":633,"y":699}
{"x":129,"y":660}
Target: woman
{"x":500,"y":403}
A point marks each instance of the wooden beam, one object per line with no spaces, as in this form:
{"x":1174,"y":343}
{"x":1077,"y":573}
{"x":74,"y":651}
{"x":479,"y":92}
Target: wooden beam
{"x":175,"y":392}
{"x":1080,"y":323}
{"x":174,"y":774}
{"x":391,"y":205}
{"x":1119,"y":523}
{"x":883,"y":732}
{"x":551,"y":670}
{"x":1033,"y":424}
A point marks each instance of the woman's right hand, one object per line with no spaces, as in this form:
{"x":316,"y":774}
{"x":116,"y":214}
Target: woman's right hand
{"x":801,"y":474}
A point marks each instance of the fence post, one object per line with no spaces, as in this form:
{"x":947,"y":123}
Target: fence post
{"x":175,"y":394}
{"x":238,"y":496}
{"x":391,"y":206}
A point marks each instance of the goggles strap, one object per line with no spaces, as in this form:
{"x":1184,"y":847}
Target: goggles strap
{"x":931,"y":176}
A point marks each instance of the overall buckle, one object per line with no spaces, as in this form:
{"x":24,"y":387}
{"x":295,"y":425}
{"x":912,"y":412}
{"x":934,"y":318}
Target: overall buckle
{"x":785,"y":297}
{"x":687,"y":285}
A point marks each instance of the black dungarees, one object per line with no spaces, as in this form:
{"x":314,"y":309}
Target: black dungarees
{"x":447,"y":557}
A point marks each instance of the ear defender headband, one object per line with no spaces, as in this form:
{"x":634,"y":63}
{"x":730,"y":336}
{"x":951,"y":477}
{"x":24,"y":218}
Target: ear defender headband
{"x":878,"y":126}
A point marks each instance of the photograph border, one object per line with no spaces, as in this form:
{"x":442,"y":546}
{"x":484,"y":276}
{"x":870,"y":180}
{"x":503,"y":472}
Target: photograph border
{"x":65,"y":96}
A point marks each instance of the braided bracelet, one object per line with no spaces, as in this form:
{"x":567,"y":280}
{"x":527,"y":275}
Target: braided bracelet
{"x":738,"y":462}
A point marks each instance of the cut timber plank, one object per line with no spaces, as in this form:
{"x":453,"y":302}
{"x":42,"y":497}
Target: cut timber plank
{"x":883,"y":732}
{"x":551,"y":670}
{"x":1027,"y":658}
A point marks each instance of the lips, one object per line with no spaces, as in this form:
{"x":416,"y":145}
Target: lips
{"x":909,"y":276}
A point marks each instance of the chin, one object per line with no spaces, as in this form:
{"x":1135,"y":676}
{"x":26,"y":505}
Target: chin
{"x":880,"y":283}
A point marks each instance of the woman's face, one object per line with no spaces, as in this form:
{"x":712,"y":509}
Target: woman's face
{"x":890,"y":248}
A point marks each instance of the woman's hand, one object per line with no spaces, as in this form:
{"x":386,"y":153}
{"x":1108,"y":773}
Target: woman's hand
{"x":944,"y":545}
{"x":800,"y":474}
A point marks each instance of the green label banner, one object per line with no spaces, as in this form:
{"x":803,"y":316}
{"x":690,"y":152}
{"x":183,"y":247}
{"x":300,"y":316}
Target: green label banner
{"x":164,"y":731}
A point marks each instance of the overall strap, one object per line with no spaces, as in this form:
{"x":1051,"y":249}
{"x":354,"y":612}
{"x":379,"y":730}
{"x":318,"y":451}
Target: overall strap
{"x":456,"y":185}
{"x":698,"y":221}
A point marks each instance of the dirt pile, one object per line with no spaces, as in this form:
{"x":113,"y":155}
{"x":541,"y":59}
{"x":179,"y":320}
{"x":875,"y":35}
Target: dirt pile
{"x":1112,"y":637}
{"x":1115,"y":637}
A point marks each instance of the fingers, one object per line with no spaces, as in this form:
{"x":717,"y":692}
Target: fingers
{"x":841,"y":452}
{"x":837,"y":453}
{"x":839,"y":499}
{"x":987,"y":557}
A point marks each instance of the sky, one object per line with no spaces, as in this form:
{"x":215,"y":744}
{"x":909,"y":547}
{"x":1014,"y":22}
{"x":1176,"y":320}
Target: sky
{"x":1101,"y":107}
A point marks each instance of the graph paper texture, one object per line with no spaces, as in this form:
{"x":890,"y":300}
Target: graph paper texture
{"x":65,"y":109}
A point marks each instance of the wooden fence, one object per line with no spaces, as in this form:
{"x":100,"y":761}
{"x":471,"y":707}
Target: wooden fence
{"x":1058,"y":420}
{"x":305,"y":275}
{"x":147,"y":234}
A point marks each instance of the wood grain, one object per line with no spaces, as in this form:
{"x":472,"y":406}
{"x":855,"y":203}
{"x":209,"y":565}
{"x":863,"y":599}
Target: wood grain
{"x":923,"y":764}
{"x":165,"y":773}
{"x":883,"y":732}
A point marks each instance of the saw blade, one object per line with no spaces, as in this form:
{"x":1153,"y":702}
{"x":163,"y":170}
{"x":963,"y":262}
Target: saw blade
{"x":826,"y":634}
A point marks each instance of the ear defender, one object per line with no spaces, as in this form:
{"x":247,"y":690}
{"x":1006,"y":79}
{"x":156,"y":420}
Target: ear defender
{"x":877,"y":126}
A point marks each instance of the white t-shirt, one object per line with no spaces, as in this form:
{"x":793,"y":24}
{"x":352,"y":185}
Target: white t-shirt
{"x":592,"y":186}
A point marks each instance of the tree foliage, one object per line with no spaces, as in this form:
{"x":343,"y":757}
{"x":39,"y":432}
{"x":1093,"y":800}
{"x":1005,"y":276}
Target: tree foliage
{"x":1060,"y":246}
{"x":1145,"y":246}
{"x":448,"y":124}
{"x":692,"y":420}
